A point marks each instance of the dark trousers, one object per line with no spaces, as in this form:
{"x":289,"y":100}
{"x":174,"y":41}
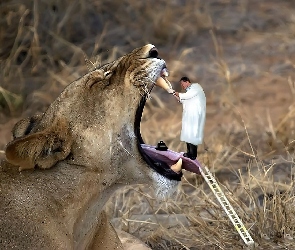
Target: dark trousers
{"x":192,"y":151}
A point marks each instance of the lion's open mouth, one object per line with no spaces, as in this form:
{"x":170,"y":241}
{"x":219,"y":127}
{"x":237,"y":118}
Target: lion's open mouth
{"x":162,"y":159}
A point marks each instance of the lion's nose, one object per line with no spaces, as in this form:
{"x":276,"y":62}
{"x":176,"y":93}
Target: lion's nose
{"x":154,"y":53}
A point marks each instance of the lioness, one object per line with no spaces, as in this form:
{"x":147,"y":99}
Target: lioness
{"x":89,"y":142}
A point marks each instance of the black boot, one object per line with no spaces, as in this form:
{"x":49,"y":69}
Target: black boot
{"x":193,"y":151}
{"x":187,"y":154}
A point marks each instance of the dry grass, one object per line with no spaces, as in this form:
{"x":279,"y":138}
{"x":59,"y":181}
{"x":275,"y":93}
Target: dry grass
{"x":259,"y":188}
{"x":241,"y":52}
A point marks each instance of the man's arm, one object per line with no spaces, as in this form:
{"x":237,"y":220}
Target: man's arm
{"x":188,"y":95}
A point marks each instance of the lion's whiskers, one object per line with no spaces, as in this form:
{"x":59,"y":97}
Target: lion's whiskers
{"x":121,"y":144}
{"x":145,"y":90}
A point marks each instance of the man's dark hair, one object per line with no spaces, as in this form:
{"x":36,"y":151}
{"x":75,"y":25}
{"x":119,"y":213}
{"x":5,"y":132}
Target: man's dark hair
{"x":185,"y":79}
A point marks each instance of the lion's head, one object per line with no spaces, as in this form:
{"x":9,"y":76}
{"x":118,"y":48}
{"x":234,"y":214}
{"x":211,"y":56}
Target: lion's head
{"x":95,"y":124}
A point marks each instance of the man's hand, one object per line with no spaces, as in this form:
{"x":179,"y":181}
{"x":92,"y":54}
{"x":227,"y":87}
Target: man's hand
{"x":176,"y":95}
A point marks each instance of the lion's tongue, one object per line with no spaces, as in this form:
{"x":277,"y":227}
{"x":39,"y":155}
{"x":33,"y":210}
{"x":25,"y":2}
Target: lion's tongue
{"x":171,"y":158}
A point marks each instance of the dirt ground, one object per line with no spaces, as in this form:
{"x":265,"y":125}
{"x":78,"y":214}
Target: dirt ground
{"x":241,"y":52}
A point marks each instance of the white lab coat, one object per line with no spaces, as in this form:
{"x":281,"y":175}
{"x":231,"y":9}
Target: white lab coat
{"x":193,"y":115}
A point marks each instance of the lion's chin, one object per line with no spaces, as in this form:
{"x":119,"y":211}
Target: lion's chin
{"x":164,"y":188}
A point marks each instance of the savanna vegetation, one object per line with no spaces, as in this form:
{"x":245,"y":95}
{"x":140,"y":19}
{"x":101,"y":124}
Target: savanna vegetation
{"x":241,"y":52}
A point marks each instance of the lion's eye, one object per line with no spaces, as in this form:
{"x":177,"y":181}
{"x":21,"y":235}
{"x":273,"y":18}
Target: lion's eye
{"x":107,"y":73}
{"x":153,"y":53}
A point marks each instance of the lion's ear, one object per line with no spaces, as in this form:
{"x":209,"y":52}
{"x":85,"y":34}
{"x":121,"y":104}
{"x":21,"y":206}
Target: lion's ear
{"x":42,"y":149}
{"x":25,"y":126}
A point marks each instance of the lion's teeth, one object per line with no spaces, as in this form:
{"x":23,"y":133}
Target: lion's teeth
{"x":165,"y":84}
{"x":162,"y":83}
{"x":177,"y":166}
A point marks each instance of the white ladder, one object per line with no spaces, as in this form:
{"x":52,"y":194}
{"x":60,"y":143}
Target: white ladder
{"x":239,"y":226}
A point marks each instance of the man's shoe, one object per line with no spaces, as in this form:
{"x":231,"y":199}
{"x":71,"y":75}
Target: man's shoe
{"x":193,"y":151}
{"x":186,"y":155}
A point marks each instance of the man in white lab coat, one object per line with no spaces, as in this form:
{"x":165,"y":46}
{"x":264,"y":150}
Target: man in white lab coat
{"x":193,"y":116}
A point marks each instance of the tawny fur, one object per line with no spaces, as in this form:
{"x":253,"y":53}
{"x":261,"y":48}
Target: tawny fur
{"x":83,"y":141}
